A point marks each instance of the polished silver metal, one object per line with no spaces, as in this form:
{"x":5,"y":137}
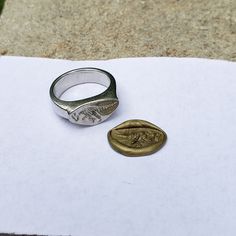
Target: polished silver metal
{"x":88,"y":111}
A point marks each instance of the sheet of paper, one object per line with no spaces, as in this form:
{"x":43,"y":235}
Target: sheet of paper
{"x":59,"y":178}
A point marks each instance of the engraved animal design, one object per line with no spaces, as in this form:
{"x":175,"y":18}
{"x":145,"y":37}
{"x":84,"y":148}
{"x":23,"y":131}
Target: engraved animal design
{"x":91,"y":113}
{"x":96,"y":112}
{"x":138,"y":137}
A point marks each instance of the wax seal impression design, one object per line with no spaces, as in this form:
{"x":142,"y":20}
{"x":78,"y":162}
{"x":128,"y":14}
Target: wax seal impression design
{"x":136,"y":138}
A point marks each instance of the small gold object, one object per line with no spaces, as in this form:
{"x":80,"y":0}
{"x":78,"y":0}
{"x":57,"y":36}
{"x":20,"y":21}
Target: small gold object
{"x":136,"y":138}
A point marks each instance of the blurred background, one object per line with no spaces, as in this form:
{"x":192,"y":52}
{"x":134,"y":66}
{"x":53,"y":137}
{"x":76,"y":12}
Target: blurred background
{"x":102,"y":29}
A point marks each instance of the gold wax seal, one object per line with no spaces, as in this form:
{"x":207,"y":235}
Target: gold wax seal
{"x":136,"y":138}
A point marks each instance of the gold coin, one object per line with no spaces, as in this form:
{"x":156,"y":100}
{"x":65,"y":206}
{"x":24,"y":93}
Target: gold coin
{"x":136,"y":138}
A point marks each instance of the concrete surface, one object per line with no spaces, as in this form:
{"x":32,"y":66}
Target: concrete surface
{"x":90,"y":29}
{"x":99,"y":29}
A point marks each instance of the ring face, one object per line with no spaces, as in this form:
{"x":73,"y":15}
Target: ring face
{"x":94,"y":112}
{"x":88,"y":111}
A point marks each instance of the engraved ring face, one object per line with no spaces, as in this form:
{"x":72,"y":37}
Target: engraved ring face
{"x":93,"y":112}
{"x":88,"y":111}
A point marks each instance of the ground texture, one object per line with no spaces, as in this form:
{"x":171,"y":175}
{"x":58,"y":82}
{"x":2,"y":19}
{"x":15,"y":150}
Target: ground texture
{"x":105,"y":29}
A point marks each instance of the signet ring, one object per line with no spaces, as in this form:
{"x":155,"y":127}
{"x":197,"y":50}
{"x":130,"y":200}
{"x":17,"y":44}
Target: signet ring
{"x":87,"y":111}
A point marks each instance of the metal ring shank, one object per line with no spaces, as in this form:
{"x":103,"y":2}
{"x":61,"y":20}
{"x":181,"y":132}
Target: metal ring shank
{"x":76,"y":77}
{"x":73,"y":78}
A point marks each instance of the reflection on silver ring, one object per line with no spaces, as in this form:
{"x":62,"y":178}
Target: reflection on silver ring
{"x":88,"y":111}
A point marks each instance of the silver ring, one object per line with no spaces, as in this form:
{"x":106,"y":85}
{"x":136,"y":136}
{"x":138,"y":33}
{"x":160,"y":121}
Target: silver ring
{"x":88,"y":111}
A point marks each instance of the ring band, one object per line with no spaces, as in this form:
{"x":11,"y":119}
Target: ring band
{"x":88,"y":111}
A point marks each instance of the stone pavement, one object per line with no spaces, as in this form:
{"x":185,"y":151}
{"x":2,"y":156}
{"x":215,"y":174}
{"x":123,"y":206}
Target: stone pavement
{"x":100,"y":29}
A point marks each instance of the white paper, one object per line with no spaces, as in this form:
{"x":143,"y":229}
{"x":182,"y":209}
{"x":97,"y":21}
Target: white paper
{"x":59,"y":178}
